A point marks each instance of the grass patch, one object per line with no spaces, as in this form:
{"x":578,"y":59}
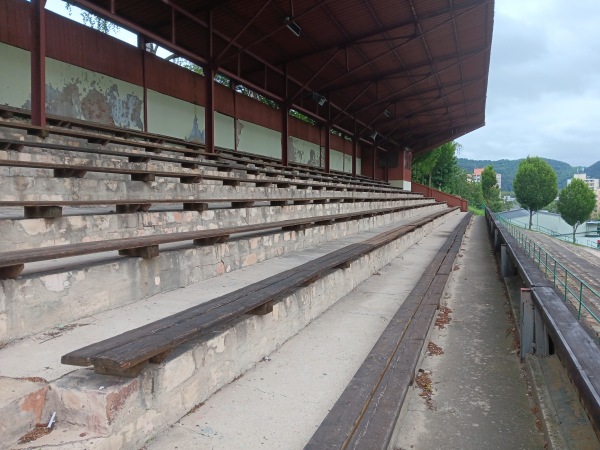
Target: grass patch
{"x":476,"y":211}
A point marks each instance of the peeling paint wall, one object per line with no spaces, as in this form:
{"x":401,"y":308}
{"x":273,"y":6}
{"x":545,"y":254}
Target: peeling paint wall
{"x":75,"y":92}
{"x":305,"y":152}
{"x":15,"y":78}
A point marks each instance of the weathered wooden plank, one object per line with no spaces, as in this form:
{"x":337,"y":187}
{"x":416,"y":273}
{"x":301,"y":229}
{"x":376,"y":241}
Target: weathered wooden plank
{"x":119,"y":352}
{"x":365,"y":414}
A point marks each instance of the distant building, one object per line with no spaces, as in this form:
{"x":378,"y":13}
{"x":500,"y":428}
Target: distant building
{"x":476,"y":177}
{"x":592,"y":183}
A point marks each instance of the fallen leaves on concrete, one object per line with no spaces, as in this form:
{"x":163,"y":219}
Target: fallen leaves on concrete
{"x":423,"y":381}
{"x":434,"y":349}
{"x":39,"y":431}
{"x":60,"y":330}
{"x":34,"y":379}
{"x":443,"y":317}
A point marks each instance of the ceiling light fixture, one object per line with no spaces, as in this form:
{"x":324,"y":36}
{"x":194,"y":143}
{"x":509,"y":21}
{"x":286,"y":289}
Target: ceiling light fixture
{"x":319,"y":98}
{"x":292,"y":26}
{"x":373,"y":135}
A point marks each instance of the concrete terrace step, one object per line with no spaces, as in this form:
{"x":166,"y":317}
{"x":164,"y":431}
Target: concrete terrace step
{"x":35,"y":233}
{"x":31,"y":187}
{"x":123,"y":412}
{"x":280,"y":402}
{"x":49,"y":293}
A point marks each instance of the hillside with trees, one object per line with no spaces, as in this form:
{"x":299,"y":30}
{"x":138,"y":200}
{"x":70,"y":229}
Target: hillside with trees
{"x":508,"y":169}
{"x":594,"y":170}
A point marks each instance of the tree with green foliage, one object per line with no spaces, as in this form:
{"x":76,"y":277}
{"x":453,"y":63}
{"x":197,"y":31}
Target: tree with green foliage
{"x":535,"y":185}
{"x":490,"y":190}
{"x":438,"y":167}
{"x":576,"y":203}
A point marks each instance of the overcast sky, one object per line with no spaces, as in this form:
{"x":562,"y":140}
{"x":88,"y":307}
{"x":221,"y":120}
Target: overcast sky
{"x":544,"y":84}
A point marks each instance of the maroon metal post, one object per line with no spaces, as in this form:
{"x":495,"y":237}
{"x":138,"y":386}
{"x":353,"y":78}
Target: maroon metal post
{"x":142,"y":46}
{"x":373,"y":162}
{"x":285,"y":120}
{"x":354,"y":149}
{"x":327,"y":148}
{"x":209,"y":110}
{"x":38,"y":63}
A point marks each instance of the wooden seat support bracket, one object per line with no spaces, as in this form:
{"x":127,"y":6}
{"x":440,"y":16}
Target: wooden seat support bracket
{"x":150,"y":251}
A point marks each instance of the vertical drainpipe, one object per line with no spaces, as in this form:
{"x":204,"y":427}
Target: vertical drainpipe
{"x":285,"y":119}
{"x":38,"y":63}
{"x":209,"y":111}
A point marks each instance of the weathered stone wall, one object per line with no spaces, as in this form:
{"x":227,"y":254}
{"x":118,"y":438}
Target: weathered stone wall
{"x":124,"y":411}
{"x":71,"y":290}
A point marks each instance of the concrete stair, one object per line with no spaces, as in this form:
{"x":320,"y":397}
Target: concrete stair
{"x":57,"y":306}
{"x":119,"y":412}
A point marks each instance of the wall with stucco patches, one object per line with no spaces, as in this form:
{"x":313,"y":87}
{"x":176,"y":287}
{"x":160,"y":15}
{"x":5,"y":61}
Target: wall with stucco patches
{"x":79,"y":93}
{"x":76,"y":92}
{"x":15,"y":78}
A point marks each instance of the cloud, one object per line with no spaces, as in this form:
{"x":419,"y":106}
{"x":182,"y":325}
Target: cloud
{"x":544,"y":85}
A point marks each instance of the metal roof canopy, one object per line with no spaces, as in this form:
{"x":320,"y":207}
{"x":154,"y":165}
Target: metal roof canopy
{"x":414,"y":72}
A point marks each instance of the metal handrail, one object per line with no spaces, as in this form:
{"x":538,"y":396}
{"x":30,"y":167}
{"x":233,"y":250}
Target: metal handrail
{"x":569,"y":284}
{"x":562,"y":236}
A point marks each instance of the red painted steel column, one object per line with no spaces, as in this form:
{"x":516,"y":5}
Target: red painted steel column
{"x":285,"y":120}
{"x":354,"y":149}
{"x":373,"y":162}
{"x":38,"y":63}
{"x":142,"y":45}
{"x":209,"y":110}
{"x":387,"y":168}
{"x":235,"y":120}
{"x":327,"y":148}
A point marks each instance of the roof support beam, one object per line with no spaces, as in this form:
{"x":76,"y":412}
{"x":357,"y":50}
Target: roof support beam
{"x":277,"y":29}
{"x":393,"y":74}
{"x":411,"y":113}
{"x":352,"y":102}
{"x":244,"y":28}
{"x":397,"y":47}
{"x":395,"y":95}
{"x":358,"y":39}
{"x":315,"y":75}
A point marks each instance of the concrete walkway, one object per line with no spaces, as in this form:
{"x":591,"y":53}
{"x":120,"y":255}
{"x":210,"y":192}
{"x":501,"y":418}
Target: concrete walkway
{"x":480,"y":396}
{"x":280,"y":402}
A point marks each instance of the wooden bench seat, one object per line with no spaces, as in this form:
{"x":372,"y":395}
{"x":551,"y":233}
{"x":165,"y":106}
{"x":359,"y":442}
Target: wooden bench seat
{"x":154,"y":143}
{"x":366,"y":413}
{"x":140,"y":174}
{"x":110,"y":131}
{"x":48,"y":209}
{"x":12,"y":263}
{"x":128,"y":353}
